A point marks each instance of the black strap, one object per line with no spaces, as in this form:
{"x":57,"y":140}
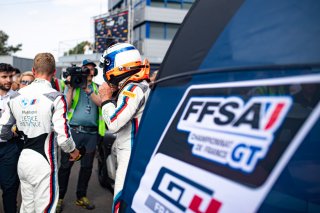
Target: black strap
{"x":107,"y":101}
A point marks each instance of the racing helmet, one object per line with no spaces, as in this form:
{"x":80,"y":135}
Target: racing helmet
{"x":120,"y":61}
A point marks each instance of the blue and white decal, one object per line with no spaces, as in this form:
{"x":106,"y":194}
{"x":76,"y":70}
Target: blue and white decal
{"x":225,"y":146}
{"x":181,"y":192}
{"x":25,"y":102}
{"x":232,"y":132}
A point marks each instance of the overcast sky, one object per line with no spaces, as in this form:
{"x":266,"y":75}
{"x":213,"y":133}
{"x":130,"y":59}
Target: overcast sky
{"x":49,"y":25}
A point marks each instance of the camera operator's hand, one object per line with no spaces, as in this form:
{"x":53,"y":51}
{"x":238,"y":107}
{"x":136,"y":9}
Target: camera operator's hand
{"x":68,"y":80}
{"x":105,"y":91}
{"x":69,"y":95}
{"x":92,"y":95}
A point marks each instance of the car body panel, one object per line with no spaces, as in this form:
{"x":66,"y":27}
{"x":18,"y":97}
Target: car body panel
{"x":246,"y":54}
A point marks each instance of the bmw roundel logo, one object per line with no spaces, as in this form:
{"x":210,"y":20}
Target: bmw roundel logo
{"x":108,"y":61}
{"x":24,"y":102}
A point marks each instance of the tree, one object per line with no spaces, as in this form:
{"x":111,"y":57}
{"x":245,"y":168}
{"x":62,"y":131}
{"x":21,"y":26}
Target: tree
{"x":78,"y":49}
{"x":4,"y":49}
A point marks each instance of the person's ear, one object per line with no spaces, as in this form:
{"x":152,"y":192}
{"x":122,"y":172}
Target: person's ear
{"x":33,"y":71}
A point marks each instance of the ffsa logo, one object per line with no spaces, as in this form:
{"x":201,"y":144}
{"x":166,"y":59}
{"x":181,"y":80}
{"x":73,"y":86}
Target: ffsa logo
{"x":183,"y":193}
{"x":233,"y":132}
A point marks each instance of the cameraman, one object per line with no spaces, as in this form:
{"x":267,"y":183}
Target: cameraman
{"x":84,"y":119}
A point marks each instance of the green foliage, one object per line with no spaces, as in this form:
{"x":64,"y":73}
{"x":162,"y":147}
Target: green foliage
{"x":78,"y":49}
{"x":4,"y":49}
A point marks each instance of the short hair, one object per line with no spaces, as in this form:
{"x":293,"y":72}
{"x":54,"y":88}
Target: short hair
{"x":44,"y":63}
{"x":17,"y":70}
{"x":27,"y":73}
{"x":6,"y":67}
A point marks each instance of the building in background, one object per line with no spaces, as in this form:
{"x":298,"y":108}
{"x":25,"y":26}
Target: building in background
{"x":109,"y":28}
{"x":23,"y":64}
{"x":154,"y":24}
{"x":150,"y":25}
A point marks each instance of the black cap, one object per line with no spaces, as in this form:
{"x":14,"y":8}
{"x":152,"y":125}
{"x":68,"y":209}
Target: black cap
{"x":87,"y":62}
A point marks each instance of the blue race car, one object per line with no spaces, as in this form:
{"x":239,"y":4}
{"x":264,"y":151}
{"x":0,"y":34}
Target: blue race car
{"x":232,"y":123}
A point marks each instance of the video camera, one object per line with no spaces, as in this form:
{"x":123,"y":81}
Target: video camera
{"x":78,"y":76}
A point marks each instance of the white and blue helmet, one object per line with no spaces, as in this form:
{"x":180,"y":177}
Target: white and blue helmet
{"x":119,"y":61}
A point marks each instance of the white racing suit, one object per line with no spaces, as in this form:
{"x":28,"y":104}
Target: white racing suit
{"x":38,"y":111}
{"x":123,"y":119}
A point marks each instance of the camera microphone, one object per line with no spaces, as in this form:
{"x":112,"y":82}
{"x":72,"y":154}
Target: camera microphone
{"x":78,"y":76}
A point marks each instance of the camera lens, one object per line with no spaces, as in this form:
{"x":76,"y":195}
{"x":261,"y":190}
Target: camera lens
{"x":78,"y":80}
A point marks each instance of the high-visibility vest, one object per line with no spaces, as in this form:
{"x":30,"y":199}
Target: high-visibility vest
{"x":101,"y":124}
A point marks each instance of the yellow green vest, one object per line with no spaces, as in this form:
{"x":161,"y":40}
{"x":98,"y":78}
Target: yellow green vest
{"x":101,"y":124}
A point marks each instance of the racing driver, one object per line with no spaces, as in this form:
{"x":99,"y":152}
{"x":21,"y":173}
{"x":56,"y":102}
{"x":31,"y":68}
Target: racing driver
{"x":38,"y":111}
{"x":127,"y":79}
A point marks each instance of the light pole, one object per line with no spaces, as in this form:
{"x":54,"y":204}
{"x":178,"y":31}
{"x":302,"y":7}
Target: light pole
{"x":130,"y":22}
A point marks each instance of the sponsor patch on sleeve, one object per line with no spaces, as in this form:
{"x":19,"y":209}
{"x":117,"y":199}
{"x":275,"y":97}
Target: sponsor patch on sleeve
{"x":129,"y":94}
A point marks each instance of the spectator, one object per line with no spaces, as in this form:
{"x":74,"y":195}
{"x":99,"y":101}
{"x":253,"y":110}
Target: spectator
{"x":123,"y":71}
{"x":9,"y":152}
{"x":26,"y":78}
{"x":86,"y":122}
{"x":39,"y":110}
{"x":16,"y":71}
{"x":15,"y":82}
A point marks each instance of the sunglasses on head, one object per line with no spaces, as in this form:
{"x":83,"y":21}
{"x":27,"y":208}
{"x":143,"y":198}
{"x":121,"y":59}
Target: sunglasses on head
{"x":23,"y":82}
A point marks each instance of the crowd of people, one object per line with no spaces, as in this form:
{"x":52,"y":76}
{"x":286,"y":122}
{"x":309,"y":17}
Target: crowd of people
{"x":40,"y":112}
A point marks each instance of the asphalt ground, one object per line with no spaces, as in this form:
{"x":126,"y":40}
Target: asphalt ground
{"x":102,"y":198}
